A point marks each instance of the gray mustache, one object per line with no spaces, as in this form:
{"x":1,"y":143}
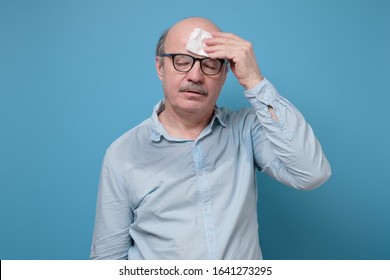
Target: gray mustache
{"x":194,"y":87}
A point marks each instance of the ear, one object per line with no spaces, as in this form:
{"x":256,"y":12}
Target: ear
{"x":159,"y":67}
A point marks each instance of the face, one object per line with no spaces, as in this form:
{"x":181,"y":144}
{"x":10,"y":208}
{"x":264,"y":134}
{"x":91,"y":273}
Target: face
{"x":191,"y":92}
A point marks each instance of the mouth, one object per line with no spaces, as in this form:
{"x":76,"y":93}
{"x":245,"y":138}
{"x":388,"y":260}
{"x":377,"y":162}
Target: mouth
{"x":195,"y":89}
{"x":195,"y":92}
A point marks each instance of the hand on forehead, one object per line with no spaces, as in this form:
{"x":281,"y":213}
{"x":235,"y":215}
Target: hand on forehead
{"x":195,"y":42}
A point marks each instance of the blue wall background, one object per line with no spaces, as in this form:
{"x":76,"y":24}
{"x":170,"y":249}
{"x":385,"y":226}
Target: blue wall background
{"x":76,"y":74}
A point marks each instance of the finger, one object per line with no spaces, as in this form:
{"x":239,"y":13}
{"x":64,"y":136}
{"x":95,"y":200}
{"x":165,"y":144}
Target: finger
{"x":225,"y":35}
{"x":226,"y":48}
{"x":225,"y":40}
{"x":221,"y":51}
{"x":215,"y":41}
{"x":220,"y":44}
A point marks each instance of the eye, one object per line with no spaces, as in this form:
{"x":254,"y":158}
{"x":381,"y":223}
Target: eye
{"x":183,"y":61}
{"x":211,"y":64}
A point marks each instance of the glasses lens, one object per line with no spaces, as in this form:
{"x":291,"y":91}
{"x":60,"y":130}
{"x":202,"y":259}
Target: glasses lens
{"x":183,"y":63}
{"x":211,"y":66}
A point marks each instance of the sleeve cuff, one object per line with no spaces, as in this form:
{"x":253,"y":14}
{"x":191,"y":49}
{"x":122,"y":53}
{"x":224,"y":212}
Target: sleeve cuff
{"x":263,"y":92}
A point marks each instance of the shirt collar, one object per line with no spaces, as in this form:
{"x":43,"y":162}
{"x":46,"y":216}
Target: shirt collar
{"x":159,"y":131}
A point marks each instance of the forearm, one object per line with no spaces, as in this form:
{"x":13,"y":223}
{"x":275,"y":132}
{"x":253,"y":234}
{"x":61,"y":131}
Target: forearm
{"x":292,"y":153}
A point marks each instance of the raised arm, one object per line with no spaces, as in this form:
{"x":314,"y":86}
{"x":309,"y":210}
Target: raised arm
{"x":284,"y":144}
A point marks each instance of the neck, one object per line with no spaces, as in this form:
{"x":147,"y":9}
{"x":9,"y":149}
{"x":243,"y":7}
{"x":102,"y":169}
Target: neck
{"x":185,"y":125}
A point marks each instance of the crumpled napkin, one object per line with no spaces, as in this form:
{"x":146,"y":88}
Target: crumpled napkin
{"x":195,"y":42}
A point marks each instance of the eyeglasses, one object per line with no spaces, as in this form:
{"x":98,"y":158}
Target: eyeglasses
{"x":185,"y":62}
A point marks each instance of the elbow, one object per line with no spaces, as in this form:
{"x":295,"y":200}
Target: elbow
{"x":316,"y":178}
{"x":320,"y":179}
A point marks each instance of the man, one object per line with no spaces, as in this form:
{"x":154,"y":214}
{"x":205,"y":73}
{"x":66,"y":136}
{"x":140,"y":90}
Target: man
{"x":182,"y":184}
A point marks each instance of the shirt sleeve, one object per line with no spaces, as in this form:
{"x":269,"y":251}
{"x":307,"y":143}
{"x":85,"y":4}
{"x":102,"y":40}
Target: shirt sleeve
{"x":111,"y":238}
{"x":286,"y":149}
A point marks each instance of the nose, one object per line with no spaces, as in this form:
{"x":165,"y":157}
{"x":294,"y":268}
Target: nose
{"x":195,"y":74}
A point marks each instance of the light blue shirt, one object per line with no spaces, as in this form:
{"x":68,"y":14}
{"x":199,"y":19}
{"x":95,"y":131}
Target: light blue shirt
{"x":162,"y":197}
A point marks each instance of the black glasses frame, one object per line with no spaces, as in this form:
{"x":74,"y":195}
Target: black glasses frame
{"x":194,"y":59}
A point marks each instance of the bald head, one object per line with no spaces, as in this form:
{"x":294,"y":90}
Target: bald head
{"x":179,"y":33}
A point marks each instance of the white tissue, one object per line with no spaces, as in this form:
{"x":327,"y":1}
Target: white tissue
{"x":195,"y":42}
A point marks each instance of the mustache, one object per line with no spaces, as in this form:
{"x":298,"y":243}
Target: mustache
{"x":194,"y":87}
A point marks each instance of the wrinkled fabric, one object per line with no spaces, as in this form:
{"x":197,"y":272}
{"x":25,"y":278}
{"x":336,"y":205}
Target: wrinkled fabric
{"x":162,"y":197}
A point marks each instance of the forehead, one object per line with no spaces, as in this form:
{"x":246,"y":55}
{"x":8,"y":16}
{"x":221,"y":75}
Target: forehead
{"x":179,"y":33}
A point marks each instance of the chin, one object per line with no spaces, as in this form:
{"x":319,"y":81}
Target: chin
{"x":198,"y":108}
